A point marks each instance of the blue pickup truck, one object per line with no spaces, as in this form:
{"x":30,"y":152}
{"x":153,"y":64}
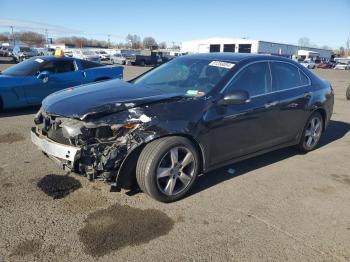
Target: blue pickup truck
{"x":29,"y":82}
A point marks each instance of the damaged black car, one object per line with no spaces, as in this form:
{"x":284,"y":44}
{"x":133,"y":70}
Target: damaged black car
{"x":186,"y":117}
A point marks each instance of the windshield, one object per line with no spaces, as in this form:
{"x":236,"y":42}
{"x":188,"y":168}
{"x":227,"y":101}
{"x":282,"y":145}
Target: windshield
{"x":29,"y":67}
{"x":186,"y":75}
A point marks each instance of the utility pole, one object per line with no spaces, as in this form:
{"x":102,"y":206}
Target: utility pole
{"x":47,"y":38}
{"x":109,"y":44}
{"x":13,"y":37}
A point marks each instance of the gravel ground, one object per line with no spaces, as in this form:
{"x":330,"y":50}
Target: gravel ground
{"x":281,"y":206}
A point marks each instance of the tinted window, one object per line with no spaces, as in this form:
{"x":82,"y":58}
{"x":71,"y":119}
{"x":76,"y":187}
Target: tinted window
{"x":284,"y":76}
{"x":58,"y":67}
{"x":88,"y":64}
{"x":255,"y":79}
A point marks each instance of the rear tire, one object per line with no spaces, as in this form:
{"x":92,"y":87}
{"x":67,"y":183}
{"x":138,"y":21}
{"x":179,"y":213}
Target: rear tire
{"x":348,"y":93}
{"x":167,"y":168}
{"x":312,"y":133}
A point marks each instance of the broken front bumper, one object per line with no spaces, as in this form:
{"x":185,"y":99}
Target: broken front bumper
{"x":63,"y":155}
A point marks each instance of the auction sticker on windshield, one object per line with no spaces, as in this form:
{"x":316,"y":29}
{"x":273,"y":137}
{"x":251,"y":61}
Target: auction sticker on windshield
{"x":222,"y":64}
{"x":39,"y":60}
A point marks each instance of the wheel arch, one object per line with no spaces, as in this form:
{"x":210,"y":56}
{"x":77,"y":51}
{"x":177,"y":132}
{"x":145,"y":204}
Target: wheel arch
{"x":323,"y":113}
{"x":126,"y":175}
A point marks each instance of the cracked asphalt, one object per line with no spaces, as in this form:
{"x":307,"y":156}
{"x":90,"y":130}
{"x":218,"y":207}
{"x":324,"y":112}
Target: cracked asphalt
{"x":281,"y":206}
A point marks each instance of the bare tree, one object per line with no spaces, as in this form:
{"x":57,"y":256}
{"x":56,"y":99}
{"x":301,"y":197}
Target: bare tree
{"x":28,"y":37}
{"x":162,"y":45}
{"x":341,"y":51}
{"x":81,"y":42}
{"x":305,"y":42}
{"x":4,"y":37}
{"x":149,"y":43}
{"x":134,"y":41}
{"x":326,"y":47}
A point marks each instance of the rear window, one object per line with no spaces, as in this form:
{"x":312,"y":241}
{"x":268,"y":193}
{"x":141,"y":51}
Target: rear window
{"x":88,"y":64}
{"x":303,"y":78}
{"x":285,"y":76}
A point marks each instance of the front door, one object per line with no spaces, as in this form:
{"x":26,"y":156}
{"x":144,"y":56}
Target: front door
{"x":238,"y":130}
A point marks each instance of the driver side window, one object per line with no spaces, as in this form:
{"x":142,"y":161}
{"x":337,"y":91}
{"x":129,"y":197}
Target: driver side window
{"x":255,"y":79}
{"x":58,"y":67}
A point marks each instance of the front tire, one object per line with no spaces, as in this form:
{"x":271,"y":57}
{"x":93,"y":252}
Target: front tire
{"x":167,"y":168}
{"x":312,"y":133}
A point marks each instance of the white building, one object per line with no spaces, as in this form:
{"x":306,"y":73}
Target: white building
{"x":241,"y":45}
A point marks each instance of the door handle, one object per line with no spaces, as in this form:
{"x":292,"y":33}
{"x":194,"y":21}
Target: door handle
{"x":271,"y":104}
{"x":84,"y":74}
{"x":307,"y":94}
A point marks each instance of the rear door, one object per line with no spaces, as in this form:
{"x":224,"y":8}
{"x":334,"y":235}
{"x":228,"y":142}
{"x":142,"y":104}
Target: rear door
{"x":294,"y":93}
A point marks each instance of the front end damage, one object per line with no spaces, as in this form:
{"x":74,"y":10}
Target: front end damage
{"x":100,"y":145}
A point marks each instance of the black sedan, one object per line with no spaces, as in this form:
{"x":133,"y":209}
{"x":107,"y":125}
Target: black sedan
{"x":186,"y":117}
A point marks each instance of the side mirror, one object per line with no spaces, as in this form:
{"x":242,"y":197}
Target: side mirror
{"x":44,"y":75}
{"x":237,"y":97}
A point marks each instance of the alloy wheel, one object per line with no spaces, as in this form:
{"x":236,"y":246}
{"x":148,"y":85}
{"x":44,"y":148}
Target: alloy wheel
{"x":175,"y":171}
{"x":313,"y":132}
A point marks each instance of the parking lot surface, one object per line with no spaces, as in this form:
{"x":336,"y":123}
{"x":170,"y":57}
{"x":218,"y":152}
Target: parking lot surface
{"x":281,"y":206}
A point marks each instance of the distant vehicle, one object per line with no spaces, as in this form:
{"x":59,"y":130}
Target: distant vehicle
{"x":21,"y":53}
{"x":85,"y":54}
{"x":308,"y":64}
{"x":178,"y":53}
{"x":103,"y":55}
{"x":118,"y":59}
{"x":342,"y":66}
{"x":47,"y":51}
{"x":6,"y":51}
{"x":29,"y":82}
{"x":68,"y":53}
{"x":325,"y":65}
{"x":35,"y":51}
{"x":142,"y":60}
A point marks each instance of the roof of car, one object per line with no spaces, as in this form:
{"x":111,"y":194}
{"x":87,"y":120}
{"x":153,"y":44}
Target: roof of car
{"x":234,"y":57}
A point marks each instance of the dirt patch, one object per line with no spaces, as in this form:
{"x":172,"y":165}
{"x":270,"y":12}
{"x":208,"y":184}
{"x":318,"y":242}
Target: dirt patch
{"x":58,"y":186}
{"x":84,"y":200}
{"x":341,"y":178}
{"x":27,"y":247}
{"x":10,"y":138}
{"x":325,"y":189}
{"x":119,"y":226}
{"x":7,"y":185}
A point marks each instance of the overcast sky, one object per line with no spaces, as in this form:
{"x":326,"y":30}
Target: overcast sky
{"x":324,"y":22}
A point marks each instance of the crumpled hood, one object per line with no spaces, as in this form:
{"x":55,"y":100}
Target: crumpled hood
{"x":98,"y":99}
